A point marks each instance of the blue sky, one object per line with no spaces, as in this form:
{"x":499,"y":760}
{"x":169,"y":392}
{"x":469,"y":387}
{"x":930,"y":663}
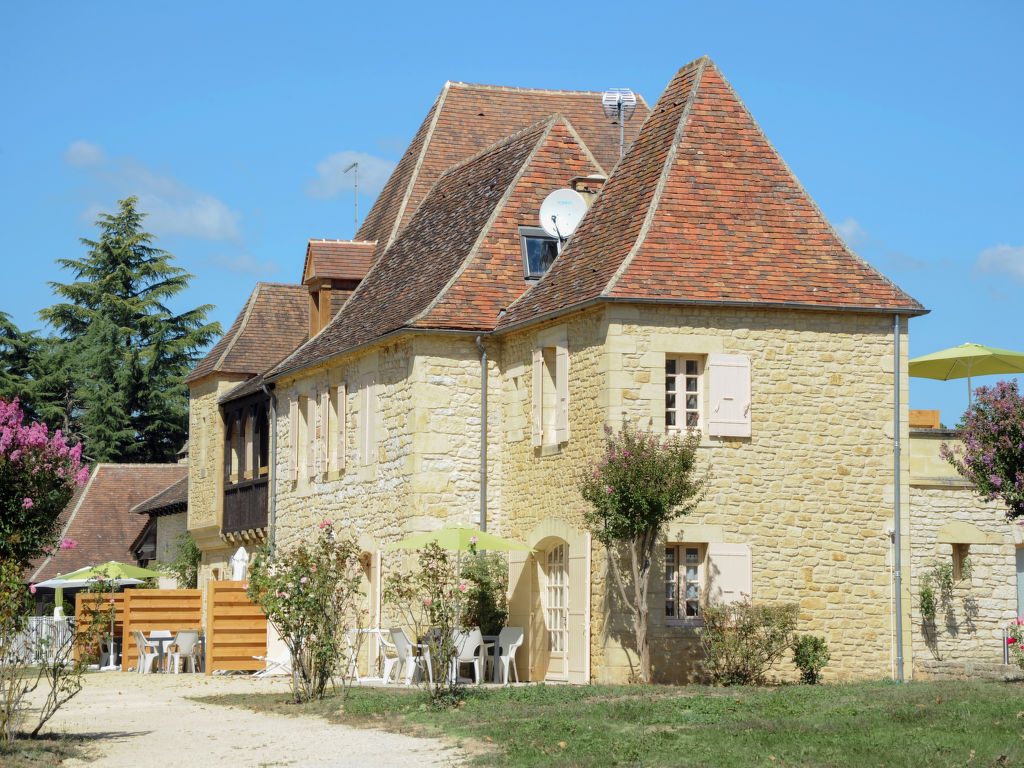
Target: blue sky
{"x":232,"y":121}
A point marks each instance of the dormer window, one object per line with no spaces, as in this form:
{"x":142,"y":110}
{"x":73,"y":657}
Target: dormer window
{"x":539,"y":251}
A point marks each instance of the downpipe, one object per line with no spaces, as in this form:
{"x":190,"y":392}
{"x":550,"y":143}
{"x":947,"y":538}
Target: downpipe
{"x":483,"y":434}
{"x":897,"y":534}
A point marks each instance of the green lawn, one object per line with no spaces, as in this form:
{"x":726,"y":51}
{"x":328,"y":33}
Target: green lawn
{"x":865,"y":724}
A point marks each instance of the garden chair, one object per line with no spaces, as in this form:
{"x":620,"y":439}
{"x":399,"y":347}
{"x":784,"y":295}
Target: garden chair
{"x":504,"y":652}
{"x":411,"y":656}
{"x":469,"y":649}
{"x":279,"y":665}
{"x":388,"y":663}
{"x":185,"y":642}
{"x":149,"y":652}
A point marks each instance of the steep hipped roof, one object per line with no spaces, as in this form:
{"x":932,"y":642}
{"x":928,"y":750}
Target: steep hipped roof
{"x":100,"y":517}
{"x":337,"y":260}
{"x":702,"y":209}
{"x":274,"y":321}
{"x":459,"y":262}
{"x":467,"y":118}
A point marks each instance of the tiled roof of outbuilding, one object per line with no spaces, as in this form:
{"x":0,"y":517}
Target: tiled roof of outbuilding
{"x":465,"y":119}
{"x":174,"y":498}
{"x":702,"y":209}
{"x":274,"y":321}
{"x":337,"y":260}
{"x":100,"y":516}
{"x":458,"y":262}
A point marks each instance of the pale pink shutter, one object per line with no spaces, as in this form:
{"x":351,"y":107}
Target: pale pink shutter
{"x":323,"y":442}
{"x":729,"y":395}
{"x":728,"y":575}
{"x":310,"y":452}
{"x":293,"y":439}
{"x":342,"y":424}
{"x":537,"y":412}
{"x":562,"y":391}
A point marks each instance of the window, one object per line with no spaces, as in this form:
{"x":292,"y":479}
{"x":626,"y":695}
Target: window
{"x":556,"y":608}
{"x":683,"y":564}
{"x":539,"y":251}
{"x":725,"y":409}
{"x":551,"y":389}
{"x":683,"y":393}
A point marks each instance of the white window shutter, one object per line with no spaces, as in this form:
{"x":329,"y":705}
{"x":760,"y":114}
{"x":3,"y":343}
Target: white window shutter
{"x":341,"y":426}
{"x":368,"y":420}
{"x":323,"y":442}
{"x":562,"y":391}
{"x":728,"y":575}
{"x":537,"y":413}
{"x":293,"y":439}
{"x":310,"y":451}
{"x":729,"y":395}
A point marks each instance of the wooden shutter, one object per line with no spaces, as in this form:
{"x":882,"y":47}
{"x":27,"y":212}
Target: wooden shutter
{"x":562,"y":392}
{"x":368,"y":420}
{"x":248,"y":462}
{"x":579,"y":609}
{"x":729,"y":395}
{"x":310,"y":436}
{"x":323,"y":441}
{"x":293,"y":438}
{"x":727,"y":573}
{"x":341,"y":394}
{"x":520,"y":596}
{"x":537,"y":413}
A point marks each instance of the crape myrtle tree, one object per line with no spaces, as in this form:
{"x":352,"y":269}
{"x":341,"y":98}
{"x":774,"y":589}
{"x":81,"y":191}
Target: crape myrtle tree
{"x":991,"y":451}
{"x":128,"y":352}
{"x":640,"y":483}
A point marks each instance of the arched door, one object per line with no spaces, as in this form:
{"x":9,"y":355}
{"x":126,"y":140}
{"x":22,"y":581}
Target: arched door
{"x":556,"y":609}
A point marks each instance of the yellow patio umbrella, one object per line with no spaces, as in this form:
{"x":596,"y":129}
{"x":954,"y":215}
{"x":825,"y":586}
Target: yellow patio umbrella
{"x":965,"y":361}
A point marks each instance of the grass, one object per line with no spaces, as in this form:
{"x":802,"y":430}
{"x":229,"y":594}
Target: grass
{"x":41,"y":752}
{"x":976,"y":723}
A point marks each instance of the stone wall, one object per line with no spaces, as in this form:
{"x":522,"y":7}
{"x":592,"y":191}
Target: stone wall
{"x":168,"y":529}
{"x":965,"y":637}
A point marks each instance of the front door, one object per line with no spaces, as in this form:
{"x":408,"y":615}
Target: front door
{"x":556,"y":610}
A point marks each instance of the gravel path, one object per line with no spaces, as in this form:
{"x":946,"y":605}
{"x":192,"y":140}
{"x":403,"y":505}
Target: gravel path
{"x":137,"y":720}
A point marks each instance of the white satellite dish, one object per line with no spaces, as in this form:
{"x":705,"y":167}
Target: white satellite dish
{"x":561,"y":211}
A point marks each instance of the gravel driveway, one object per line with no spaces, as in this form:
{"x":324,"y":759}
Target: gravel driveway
{"x":138,"y":720}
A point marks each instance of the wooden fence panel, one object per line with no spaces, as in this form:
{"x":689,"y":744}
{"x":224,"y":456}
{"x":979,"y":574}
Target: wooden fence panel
{"x":237,"y":628}
{"x":150,"y":609}
{"x":86,"y":603}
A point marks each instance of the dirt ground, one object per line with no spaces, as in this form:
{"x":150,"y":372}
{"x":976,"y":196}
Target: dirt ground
{"x":135,"y":720}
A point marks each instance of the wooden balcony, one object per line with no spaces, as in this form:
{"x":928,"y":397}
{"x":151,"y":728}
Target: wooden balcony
{"x":245,"y":506}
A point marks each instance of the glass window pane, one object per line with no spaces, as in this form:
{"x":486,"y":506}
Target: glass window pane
{"x":691,"y":573}
{"x":691,"y":608}
{"x":540,"y":253}
{"x":691,"y":385}
{"x":691,"y":592}
{"x":691,"y":554}
{"x":691,"y":367}
{"x":670,"y":366}
{"x":691,"y":420}
{"x":670,"y":400}
{"x":691,"y":402}
{"x":670,"y":419}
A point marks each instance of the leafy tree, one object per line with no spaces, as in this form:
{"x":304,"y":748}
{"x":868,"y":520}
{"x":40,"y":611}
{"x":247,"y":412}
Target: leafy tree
{"x":641,"y":483}
{"x":130,"y":352}
{"x":185,"y":565}
{"x":16,"y":354}
{"x":991,"y":453}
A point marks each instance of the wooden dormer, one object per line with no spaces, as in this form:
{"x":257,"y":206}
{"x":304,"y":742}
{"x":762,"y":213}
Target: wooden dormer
{"x":331,"y":273}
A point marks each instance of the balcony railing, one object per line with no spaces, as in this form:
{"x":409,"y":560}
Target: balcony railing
{"x":245,"y":506}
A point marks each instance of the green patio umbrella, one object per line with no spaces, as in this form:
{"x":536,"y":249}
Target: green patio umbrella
{"x":965,"y":361}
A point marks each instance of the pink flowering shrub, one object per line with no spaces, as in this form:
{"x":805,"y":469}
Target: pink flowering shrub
{"x":1015,"y":639}
{"x":39,"y":472}
{"x":311,"y":593}
{"x":991,"y":454}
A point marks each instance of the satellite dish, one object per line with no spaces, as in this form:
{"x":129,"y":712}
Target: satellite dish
{"x":561,"y":211}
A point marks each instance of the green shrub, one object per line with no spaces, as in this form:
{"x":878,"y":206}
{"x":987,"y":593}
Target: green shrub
{"x":486,"y":604}
{"x":810,"y":654}
{"x":742,"y":641}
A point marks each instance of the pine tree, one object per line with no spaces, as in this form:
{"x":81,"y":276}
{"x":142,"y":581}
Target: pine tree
{"x":130,"y":352}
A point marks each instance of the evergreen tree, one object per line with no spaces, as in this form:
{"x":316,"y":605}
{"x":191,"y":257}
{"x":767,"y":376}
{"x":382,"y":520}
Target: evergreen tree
{"x":129,"y":352}
{"x":16,"y":352}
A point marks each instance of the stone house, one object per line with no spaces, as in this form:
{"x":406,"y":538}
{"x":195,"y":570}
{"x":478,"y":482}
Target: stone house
{"x":469,"y":376}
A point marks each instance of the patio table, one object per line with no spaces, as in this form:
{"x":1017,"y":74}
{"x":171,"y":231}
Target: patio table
{"x":164,"y":637}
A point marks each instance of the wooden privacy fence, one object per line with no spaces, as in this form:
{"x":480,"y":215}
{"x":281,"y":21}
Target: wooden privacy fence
{"x":237,"y":628}
{"x":150,"y":609}
{"x":87,"y":602}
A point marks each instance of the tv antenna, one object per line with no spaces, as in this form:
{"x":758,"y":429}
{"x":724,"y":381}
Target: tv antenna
{"x":560,"y":213}
{"x":619,"y":105}
{"x":355,"y":218}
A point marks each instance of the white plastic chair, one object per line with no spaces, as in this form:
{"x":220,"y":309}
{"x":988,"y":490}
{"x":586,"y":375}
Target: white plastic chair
{"x":509,"y":640}
{"x":410,"y":656}
{"x":469,"y":649}
{"x":149,"y":652}
{"x":389,"y":662}
{"x":185,"y":641}
{"x":279,"y":665}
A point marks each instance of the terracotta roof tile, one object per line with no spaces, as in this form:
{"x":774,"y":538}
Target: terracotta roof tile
{"x":337,"y":260}
{"x":274,"y":321}
{"x":458,"y":262}
{"x":702,"y":209}
{"x":100,"y":517}
{"x":465,"y":119}
{"x":174,"y":498}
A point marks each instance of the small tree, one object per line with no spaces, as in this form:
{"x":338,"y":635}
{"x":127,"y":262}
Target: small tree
{"x":310,"y":593}
{"x":185,"y":565}
{"x":641,"y":483}
{"x":991,"y":454}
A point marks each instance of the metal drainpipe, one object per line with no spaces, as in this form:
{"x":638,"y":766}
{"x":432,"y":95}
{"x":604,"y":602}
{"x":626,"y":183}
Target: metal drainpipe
{"x":483,"y":434}
{"x":896,"y":497}
{"x":271,"y":506}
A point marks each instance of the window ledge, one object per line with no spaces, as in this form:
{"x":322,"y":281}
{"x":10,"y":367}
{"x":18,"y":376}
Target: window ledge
{"x":551,"y":450}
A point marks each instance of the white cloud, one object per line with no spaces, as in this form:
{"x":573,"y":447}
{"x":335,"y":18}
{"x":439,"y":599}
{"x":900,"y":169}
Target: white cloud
{"x":1003,"y":261}
{"x":853,"y":233}
{"x":83,"y":153}
{"x":332,"y":179}
{"x":172,"y":206}
{"x":245,"y":264}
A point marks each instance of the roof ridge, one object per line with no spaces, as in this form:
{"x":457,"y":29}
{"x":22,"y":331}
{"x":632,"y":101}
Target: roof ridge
{"x":525,"y":89}
{"x":499,"y":206}
{"x":438,"y":106}
{"x":341,"y":240}
{"x":582,"y":143}
{"x":241,"y":328}
{"x":666,"y":171}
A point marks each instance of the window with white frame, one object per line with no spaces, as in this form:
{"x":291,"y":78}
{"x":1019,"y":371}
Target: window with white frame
{"x":697,"y":574}
{"x":551,"y":389}
{"x":683,"y":394}
{"x":539,"y":251}
{"x":683,"y":564}
{"x":709,"y":394}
